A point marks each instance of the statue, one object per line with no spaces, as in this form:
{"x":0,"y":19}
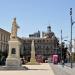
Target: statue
{"x":13,"y":61}
{"x":14,"y":29}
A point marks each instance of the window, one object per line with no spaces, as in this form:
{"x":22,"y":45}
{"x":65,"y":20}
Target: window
{"x":38,"y":41}
{"x":4,"y":38}
{"x":1,"y":37}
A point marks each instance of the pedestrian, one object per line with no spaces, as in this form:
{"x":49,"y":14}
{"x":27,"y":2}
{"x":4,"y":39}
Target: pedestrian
{"x":63,"y":63}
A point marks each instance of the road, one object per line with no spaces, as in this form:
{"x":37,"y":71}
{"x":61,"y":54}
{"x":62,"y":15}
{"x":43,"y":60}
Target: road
{"x":60,"y":70}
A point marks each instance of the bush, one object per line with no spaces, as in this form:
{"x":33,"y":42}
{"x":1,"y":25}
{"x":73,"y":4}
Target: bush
{"x":0,"y":56}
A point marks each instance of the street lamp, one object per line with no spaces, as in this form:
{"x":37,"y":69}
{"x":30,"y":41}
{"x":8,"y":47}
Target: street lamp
{"x":72,"y":22}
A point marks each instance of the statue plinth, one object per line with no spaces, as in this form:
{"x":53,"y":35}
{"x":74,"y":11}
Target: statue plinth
{"x":13,"y":61}
{"x":13,"y":58}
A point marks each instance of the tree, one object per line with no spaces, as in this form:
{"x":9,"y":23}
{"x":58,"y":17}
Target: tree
{"x":63,"y":50}
{"x":64,"y":53}
{"x":0,"y":56}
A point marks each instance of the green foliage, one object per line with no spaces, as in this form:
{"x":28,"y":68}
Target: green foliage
{"x":64,"y":52}
{"x":1,"y":53}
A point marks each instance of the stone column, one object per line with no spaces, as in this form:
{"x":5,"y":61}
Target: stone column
{"x":32,"y":52}
{"x":33,"y":59}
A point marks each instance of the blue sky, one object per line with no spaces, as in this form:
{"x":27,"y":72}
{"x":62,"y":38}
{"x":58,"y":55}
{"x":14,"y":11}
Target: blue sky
{"x":34,"y":15}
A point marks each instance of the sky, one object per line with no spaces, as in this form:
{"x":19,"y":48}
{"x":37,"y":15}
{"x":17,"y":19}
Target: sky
{"x":34,"y":15}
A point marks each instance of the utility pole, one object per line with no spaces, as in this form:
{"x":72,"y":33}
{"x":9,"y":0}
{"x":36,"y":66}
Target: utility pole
{"x":71,"y":36}
{"x":72,"y":22}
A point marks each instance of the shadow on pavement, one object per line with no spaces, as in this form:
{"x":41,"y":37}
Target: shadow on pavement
{"x":38,"y":69}
{"x":4,"y":68}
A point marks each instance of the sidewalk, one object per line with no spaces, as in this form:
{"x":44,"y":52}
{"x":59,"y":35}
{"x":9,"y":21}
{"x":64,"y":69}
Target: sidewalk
{"x":69,"y":65}
{"x":62,"y":70}
{"x":43,"y":69}
{"x":67,"y":68}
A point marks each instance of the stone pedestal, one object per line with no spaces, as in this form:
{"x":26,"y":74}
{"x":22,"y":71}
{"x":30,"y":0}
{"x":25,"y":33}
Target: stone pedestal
{"x":13,"y":62}
{"x":13,"y":58}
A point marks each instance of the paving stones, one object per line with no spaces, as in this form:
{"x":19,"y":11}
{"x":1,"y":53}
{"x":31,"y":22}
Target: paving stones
{"x":43,"y":69}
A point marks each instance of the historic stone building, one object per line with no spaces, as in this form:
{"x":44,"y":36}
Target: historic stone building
{"x":44,"y":46}
{"x":4,"y":38}
{"x":37,"y":34}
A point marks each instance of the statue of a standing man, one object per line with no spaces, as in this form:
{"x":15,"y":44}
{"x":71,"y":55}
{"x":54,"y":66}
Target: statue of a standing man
{"x":14,"y":29}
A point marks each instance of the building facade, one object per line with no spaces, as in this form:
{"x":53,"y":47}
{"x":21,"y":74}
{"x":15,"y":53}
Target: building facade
{"x":45,"y":46}
{"x":4,"y":38}
{"x":37,"y":34}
